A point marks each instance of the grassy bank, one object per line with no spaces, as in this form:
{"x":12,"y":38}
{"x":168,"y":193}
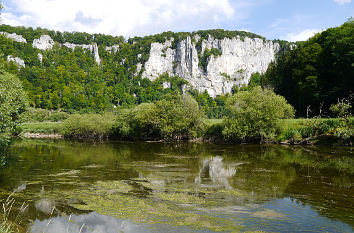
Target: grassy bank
{"x":292,"y":131}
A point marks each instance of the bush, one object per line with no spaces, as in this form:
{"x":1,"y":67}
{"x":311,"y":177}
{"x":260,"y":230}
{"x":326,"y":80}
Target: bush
{"x":88,"y":126}
{"x":36,"y":115}
{"x":180,"y":117}
{"x":13,"y":102}
{"x":58,"y":116}
{"x":254,"y":114}
{"x":176,"y":117}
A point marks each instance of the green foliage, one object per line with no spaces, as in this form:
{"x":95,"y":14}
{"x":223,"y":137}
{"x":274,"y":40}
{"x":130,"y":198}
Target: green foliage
{"x":175,"y":117}
{"x":36,"y":115}
{"x":317,"y":71}
{"x":212,"y":107}
{"x":42,"y":127}
{"x":58,"y":116}
{"x":296,"y":131}
{"x":13,"y":102}
{"x":90,"y":126}
{"x":254,"y":114}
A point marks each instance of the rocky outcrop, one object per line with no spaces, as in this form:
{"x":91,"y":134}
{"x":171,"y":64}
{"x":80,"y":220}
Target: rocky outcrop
{"x":239,"y":59}
{"x":43,"y":43}
{"x":113,"y":48}
{"x":93,"y":48}
{"x":17,"y":61}
{"x":95,"y":53}
{"x":15,"y":37}
{"x":40,"y":57}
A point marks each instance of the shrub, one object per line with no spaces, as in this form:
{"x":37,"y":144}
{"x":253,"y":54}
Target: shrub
{"x":254,"y":114}
{"x":176,"y":117}
{"x":36,"y":115}
{"x":58,"y":116}
{"x":88,"y":126}
{"x":180,"y":117}
{"x":13,"y":102}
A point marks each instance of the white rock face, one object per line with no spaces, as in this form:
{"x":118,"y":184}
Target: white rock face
{"x":239,"y":60}
{"x":15,"y":37}
{"x":43,"y":43}
{"x":160,"y":60}
{"x":17,"y":61}
{"x":40,"y":57}
{"x":93,"y":48}
{"x":166,"y":85}
{"x":138,"y":68}
{"x":95,"y":53}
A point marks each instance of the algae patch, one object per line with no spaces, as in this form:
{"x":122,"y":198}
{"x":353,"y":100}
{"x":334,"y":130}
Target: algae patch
{"x":118,"y":199}
{"x":268,"y":213}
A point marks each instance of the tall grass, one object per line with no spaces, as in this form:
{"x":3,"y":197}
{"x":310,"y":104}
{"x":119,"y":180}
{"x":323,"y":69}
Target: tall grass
{"x":7,"y":226}
{"x":42,"y":127}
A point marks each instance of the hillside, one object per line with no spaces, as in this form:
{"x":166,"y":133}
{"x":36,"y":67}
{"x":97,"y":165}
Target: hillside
{"x":82,"y":71}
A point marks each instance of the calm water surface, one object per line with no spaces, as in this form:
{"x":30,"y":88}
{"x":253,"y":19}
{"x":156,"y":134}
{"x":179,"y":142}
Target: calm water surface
{"x":179,"y":187}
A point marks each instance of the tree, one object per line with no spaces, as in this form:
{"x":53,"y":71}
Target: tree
{"x":253,"y":114}
{"x":13,"y":102}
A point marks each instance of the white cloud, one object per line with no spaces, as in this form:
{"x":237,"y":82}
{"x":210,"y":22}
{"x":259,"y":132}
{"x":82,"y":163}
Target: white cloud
{"x":118,"y":17}
{"x":301,"y":36}
{"x":342,"y":2}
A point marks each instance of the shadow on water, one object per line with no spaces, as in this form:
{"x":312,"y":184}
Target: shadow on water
{"x":182,"y":187}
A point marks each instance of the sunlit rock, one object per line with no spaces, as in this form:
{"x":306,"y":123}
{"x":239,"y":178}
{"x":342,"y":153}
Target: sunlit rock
{"x":240,"y":58}
{"x":43,"y":43}
{"x":14,"y":36}
{"x":17,"y":61}
{"x":40,"y":57}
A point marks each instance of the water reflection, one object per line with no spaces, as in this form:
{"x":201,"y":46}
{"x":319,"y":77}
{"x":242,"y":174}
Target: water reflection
{"x":92,"y":222}
{"x":218,"y":171}
{"x":197,"y":186}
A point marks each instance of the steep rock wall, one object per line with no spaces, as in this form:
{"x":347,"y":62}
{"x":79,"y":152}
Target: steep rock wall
{"x":240,"y":58}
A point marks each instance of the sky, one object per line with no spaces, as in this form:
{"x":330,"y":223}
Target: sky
{"x":291,"y":20}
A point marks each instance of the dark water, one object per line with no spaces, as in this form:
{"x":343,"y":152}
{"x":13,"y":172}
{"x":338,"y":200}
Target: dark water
{"x":179,"y":187}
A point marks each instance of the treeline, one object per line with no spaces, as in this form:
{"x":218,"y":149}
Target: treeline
{"x":316,"y":72}
{"x":30,"y":34}
{"x":255,"y":115}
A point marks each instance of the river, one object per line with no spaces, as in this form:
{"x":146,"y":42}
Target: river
{"x":109,"y":187}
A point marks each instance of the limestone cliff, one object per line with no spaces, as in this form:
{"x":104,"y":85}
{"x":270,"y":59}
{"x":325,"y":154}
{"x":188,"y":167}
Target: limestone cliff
{"x":14,"y":36}
{"x":16,"y":60}
{"x":43,"y":43}
{"x":239,"y":59}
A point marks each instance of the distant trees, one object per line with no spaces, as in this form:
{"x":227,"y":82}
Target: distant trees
{"x":317,"y":71}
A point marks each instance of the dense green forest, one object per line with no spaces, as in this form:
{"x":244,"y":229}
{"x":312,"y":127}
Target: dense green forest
{"x":316,"y":72}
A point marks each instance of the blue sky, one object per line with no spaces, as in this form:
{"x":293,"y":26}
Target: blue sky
{"x":274,"y":19}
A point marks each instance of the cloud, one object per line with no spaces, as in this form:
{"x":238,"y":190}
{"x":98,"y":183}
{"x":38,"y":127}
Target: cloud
{"x":342,"y":2}
{"x":119,"y":17}
{"x":301,"y":36}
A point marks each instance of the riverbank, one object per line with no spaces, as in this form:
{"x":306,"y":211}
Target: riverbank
{"x":324,"y":131}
